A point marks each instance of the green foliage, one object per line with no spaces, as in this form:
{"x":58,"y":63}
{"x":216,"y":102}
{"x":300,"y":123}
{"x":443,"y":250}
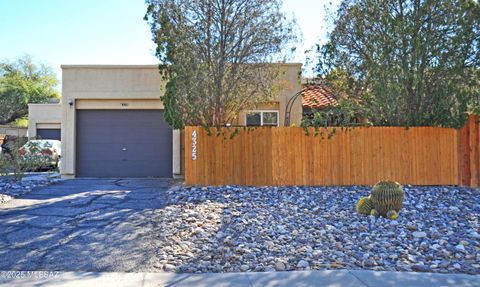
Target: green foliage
{"x":235,"y":132}
{"x":215,"y":56}
{"x":348,"y":113}
{"x":474,"y":89}
{"x":21,"y":122}
{"x":365,"y":205}
{"x":22,"y":82}
{"x":4,"y":164}
{"x":172,"y":110}
{"x":417,"y":61}
{"x":12,"y":160}
{"x":387,"y":196}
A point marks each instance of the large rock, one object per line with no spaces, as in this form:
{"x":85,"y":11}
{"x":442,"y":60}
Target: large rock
{"x":421,"y":268}
{"x":419,"y":234}
{"x":279,"y":266}
{"x":303,"y":264}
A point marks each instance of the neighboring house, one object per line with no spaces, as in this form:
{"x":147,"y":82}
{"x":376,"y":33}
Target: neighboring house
{"x":316,"y":96}
{"x":319,"y":96}
{"x":112,"y":122}
{"x":44,"y":121}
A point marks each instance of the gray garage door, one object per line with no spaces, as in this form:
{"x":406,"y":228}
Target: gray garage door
{"x":49,"y":134}
{"x":123,"y":143}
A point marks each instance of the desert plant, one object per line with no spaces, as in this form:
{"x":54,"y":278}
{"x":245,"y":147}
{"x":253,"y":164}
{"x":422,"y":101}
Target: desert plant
{"x":4,"y":164}
{"x":17,"y":162}
{"x":387,"y":196}
{"x":365,"y":205}
{"x":392,"y":214}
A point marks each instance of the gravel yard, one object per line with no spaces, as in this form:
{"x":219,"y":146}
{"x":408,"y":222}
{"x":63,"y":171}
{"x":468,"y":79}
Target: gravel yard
{"x":232,"y":229}
{"x":10,"y":188}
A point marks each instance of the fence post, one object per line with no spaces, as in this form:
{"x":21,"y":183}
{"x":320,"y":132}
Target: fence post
{"x":469,"y":153}
{"x":474,"y":150}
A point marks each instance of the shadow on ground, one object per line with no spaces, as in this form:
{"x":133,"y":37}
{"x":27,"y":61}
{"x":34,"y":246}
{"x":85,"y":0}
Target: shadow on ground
{"x":82,"y":225}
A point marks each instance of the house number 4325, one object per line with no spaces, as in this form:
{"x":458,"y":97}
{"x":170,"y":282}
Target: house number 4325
{"x":194,"y":145}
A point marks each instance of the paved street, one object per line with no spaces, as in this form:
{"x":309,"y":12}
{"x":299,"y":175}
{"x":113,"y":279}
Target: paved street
{"x":82,"y":225}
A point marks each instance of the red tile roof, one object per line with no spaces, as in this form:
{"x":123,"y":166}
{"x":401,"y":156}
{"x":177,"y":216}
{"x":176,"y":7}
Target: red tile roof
{"x":317,"y":96}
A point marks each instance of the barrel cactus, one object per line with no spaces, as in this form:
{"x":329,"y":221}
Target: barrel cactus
{"x":392,"y":214}
{"x":364,"y":205}
{"x":387,"y":196}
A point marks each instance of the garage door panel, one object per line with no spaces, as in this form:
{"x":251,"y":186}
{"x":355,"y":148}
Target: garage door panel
{"x":115,"y":151}
{"x":129,"y":141}
{"x":121,"y":126}
{"x":123,"y":169}
{"x":123,"y":143}
{"x":112,"y":119}
{"x":119,"y":134}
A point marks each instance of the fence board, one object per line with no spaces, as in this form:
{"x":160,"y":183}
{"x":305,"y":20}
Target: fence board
{"x":359,"y":156}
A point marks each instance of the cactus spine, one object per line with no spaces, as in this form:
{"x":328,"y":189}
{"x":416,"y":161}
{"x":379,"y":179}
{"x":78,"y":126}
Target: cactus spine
{"x":365,"y":205}
{"x":387,"y":196}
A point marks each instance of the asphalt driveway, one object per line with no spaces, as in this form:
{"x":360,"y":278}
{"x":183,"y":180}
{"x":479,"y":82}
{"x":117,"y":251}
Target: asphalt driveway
{"x":82,"y":225}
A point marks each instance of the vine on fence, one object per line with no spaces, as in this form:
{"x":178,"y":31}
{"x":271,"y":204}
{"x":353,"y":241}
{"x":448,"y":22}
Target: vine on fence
{"x":346,"y":115}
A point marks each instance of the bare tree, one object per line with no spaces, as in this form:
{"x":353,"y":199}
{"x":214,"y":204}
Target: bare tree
{"x":216,"y":56}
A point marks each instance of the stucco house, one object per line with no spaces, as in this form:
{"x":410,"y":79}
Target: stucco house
{"x":112,"y":125}
{"x":316,"y":96}
{"x":44,"y":121}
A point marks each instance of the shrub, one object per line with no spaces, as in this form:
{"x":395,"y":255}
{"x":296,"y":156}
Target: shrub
{"x":4,"y":164}
{"x":21,"y":122}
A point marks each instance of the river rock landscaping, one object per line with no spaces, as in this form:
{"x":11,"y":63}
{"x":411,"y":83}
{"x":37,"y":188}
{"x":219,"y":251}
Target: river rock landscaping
{"x":10,"y":188}
{"x":243,"y":229}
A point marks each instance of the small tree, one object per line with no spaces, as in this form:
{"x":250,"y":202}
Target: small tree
{"x":22,"y":82}
{"x":216,"y":54}
{"x":418,"y":60}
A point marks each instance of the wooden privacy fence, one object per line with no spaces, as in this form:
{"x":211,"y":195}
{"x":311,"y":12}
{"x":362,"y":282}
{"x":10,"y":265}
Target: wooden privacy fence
{"x":359,"y":156}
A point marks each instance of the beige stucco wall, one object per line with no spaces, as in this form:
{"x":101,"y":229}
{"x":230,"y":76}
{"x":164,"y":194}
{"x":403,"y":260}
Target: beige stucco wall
{"x":105,"y":87}
{"x":138,"y":87}
{"x":289,"y":84}
{"x":43,"y":116}
{"x":7,"y":130}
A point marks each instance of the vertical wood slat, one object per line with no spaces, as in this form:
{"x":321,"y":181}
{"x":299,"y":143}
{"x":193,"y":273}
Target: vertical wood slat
{"x":361,"y":156}
{"x":465,"y":155}
{"x":472,"y":151}
{"x":190,"y":178}
{"x":469,"y":141}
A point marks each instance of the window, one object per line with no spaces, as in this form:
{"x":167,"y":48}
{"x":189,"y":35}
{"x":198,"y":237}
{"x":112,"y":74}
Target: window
{"x":262,"y":118}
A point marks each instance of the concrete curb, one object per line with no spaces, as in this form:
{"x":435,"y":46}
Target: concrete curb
{"x":336,"y":278}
